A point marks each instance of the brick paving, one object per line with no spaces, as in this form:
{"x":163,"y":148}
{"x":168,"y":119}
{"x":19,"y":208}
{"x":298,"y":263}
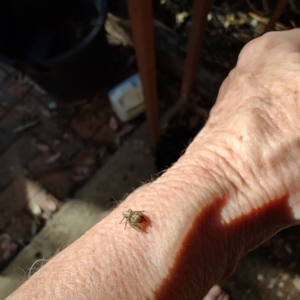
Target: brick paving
{"x":59,"y":145}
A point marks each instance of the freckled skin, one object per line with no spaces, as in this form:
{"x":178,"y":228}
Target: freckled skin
{"x":134,"y":218}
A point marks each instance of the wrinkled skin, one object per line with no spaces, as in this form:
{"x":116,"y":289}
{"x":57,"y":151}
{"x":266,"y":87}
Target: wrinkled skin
{"x":254,"y":125}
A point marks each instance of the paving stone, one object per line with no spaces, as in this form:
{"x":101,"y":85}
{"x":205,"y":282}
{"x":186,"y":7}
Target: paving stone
{"x":13,"y":91}
{"x":84,"y":164}
{"x":16,"y":157}
{"x":124,"y":171}
{"x":16,"y":216}
{"x":29,"y":107}
{"x":92,"y":117}
{"x":8,"y":248}
{"x":40,"y":164}
{"x":22,"y":227}
{"x":24,"y":113}
{"x":35,"y":87}
{"x":48,"y":131}
{"x":7,"y":126}
{"x":105,"y":136}
{"x":6,"y":139}
{"x":68,"y":149}
{"x":3,"y":76}
{"x":2,"y":112}
{"x":12,"y":200}
{"x":53,"y":103}
{"x":8,"y":69}
{"x":20,"y":198}
{"x":58,"y":183}
{"x":90,"y":205}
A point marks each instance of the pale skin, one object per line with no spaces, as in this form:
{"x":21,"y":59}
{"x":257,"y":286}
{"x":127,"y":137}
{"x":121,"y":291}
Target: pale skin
{"x":236,"y":186}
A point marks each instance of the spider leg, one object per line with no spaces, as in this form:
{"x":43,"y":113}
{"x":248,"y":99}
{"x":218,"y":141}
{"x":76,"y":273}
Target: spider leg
{"x":135,"y":227}
{"x":122,"y":220}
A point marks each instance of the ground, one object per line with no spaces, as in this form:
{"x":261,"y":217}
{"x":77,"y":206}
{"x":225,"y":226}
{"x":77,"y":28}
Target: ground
{"x":49,"y":149}
{"x":53,"y":152}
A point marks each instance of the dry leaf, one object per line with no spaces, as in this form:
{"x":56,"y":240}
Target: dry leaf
{"x":113,"y":123}
{"x":53,"y":158}
{"x":296,"y":282}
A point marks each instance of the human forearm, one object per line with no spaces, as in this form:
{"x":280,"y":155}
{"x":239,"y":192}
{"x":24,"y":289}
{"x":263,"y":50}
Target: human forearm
{"x":114,"y":257}
{"x":187,"y":248}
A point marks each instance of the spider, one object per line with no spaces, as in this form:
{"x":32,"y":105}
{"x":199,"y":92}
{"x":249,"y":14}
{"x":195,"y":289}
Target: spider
{"x":134,"y":218}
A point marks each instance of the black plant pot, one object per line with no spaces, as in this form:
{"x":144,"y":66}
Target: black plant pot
{"x":60,"y":44}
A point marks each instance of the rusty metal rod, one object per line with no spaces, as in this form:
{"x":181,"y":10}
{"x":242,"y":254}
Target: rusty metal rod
{"x":200,"y":11}
{"x":276,"y":14}
{"x":140,"y":13}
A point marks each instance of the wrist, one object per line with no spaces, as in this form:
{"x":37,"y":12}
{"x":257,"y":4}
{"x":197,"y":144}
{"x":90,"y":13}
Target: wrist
{"x":255,"y":195}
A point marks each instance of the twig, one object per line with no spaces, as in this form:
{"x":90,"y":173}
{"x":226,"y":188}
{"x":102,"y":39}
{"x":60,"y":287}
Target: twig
{"x":281,"y":4}
{"x":25,"y":126}
{"x":266,"y":6}
{"x":259,"y":18}
{"x":254,"y":8}
{"x":202,"y":112}
{"x":294,"y":7}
